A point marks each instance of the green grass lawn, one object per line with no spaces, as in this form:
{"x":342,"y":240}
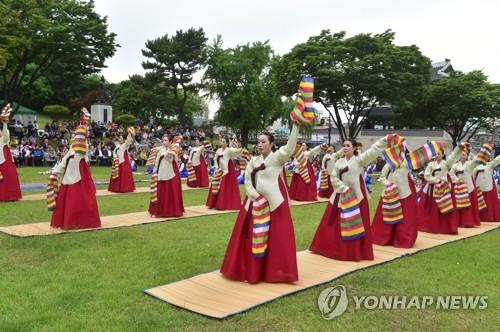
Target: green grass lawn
{"x":28,"y":175}
{"x":93,"y":281}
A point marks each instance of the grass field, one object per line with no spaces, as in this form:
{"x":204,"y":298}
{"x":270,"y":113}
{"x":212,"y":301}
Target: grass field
{"x":93,"y":281}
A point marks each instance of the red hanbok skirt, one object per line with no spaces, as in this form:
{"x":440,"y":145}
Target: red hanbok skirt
{"x":430,"y":220}
{"x":201,"y":175}
{"x":280,"y":261}
{"x":328,"y":242}
{"x":301,"y":191}
{"x":326,"y":193}
{"x":492,"y":212}
{"x":76,"y":203}
{"x":125,"y":181}
{"x":10,"y":189}
{"x":228,"y":197}
{"x":169,"y":193}
{"x":285,"y":178}
{"x":469,"y":216}
{"x":402,"y":235}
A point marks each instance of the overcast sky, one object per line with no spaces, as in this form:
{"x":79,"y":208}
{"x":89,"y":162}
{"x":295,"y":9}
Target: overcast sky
{"x":467,"y":32}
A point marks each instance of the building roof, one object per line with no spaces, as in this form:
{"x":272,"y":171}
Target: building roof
{"x":441,"y":69}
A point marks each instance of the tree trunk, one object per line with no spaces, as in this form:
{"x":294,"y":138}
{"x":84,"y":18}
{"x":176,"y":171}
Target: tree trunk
{"x":244,"y":137}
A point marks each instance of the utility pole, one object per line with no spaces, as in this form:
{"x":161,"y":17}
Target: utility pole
{"x":329,"y":130}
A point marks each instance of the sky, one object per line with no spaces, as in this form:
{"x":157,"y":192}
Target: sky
{"x":467,"y":32}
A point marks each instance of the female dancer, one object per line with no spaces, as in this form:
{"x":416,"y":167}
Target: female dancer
{"x":436,"y":205}
{"x":224,"y":193}
{"x":262,"y":245}
{"x":197,"y":167}
{"x":396,"y":226}
{"x":166,"y":199}
{"x":122,"y":180}
{"x":76,"y":204}
{"x":337,"y":237}
{"x":484,"y":179}
{"x":466,"y":201}
{"x":327,"y":164}
{"x":10,"y":189}
{"x":303,"y":186}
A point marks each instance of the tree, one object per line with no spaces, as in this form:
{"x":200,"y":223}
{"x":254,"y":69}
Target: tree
{"x":125,"y":119}
{"x":142,"y":96}
{"x":39,"y":34}
{"x":175,"y":59}
{"x":460,"y":104}
{"x":56,"y":111}
{"x":145,"y":96}
{"x":241,"y":79}
{"x":355,"y":74}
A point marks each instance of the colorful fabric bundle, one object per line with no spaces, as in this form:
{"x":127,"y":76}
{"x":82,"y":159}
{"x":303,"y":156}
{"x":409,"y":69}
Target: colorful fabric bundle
{"x":79,"y":143}
{"x":303,"y":111}
{"x":85,"y":117}
{"x":115,"y":174}
{"x":481,"y":203}
{"x":483,"y":156}
{"x":245,"y":159}
{"x":323,"y":180}
{"x":52,"y":191}
{"x":4,"y":117}
{"x":392,"y":211}
{"x":261,"y":220}
{"x":154,"y":188}
{"x":152,"y":156}
{"x":191,"y":173}
{"x":418,"y":158}
{"x":325,"y":147}
{"x":208,"y":145}
{"x":351,"y":223}
{"x":175,"y":149}
{"x":216,"y":179}
{"x":461,"y":195}
{"x":394,"y":153}
{"x":442,"y":196}
{"x":299,"y":155}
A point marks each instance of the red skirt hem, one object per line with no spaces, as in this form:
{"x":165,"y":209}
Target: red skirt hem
{"x":280,"y":262}
{"x":430,"y":220}
{"x":228,"y":197}
{"x":326,"y":193}
{"x":10,"y":189}
{"x":469,"y":216}
{"x":169,"y":193}
{"x":301,"y":191}
{"x":201,"y":175}
{"x":402,"y":235}
{"x":492,"y":212}
{"x":125,"y":182}
{"x":76,"y":203}
{"x":328,"y":242}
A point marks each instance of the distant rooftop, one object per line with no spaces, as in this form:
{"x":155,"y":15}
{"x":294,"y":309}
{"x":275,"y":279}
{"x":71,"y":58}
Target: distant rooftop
{"x":441,"y":69}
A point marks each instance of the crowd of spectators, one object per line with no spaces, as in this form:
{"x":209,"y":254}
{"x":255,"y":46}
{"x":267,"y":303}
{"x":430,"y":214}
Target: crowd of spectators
{"x":35,"y":146}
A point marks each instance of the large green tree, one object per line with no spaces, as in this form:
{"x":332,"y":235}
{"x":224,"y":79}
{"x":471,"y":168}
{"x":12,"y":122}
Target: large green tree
{"x":176,"y":59}
{"x":241,"y":79}
{"x":145,"y":96}
{"x":39,"y":34}
{"x":355,"y":74}
{"x":460,"y":104}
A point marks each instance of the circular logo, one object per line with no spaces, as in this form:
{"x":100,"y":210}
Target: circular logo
{"x":332,"y":302}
